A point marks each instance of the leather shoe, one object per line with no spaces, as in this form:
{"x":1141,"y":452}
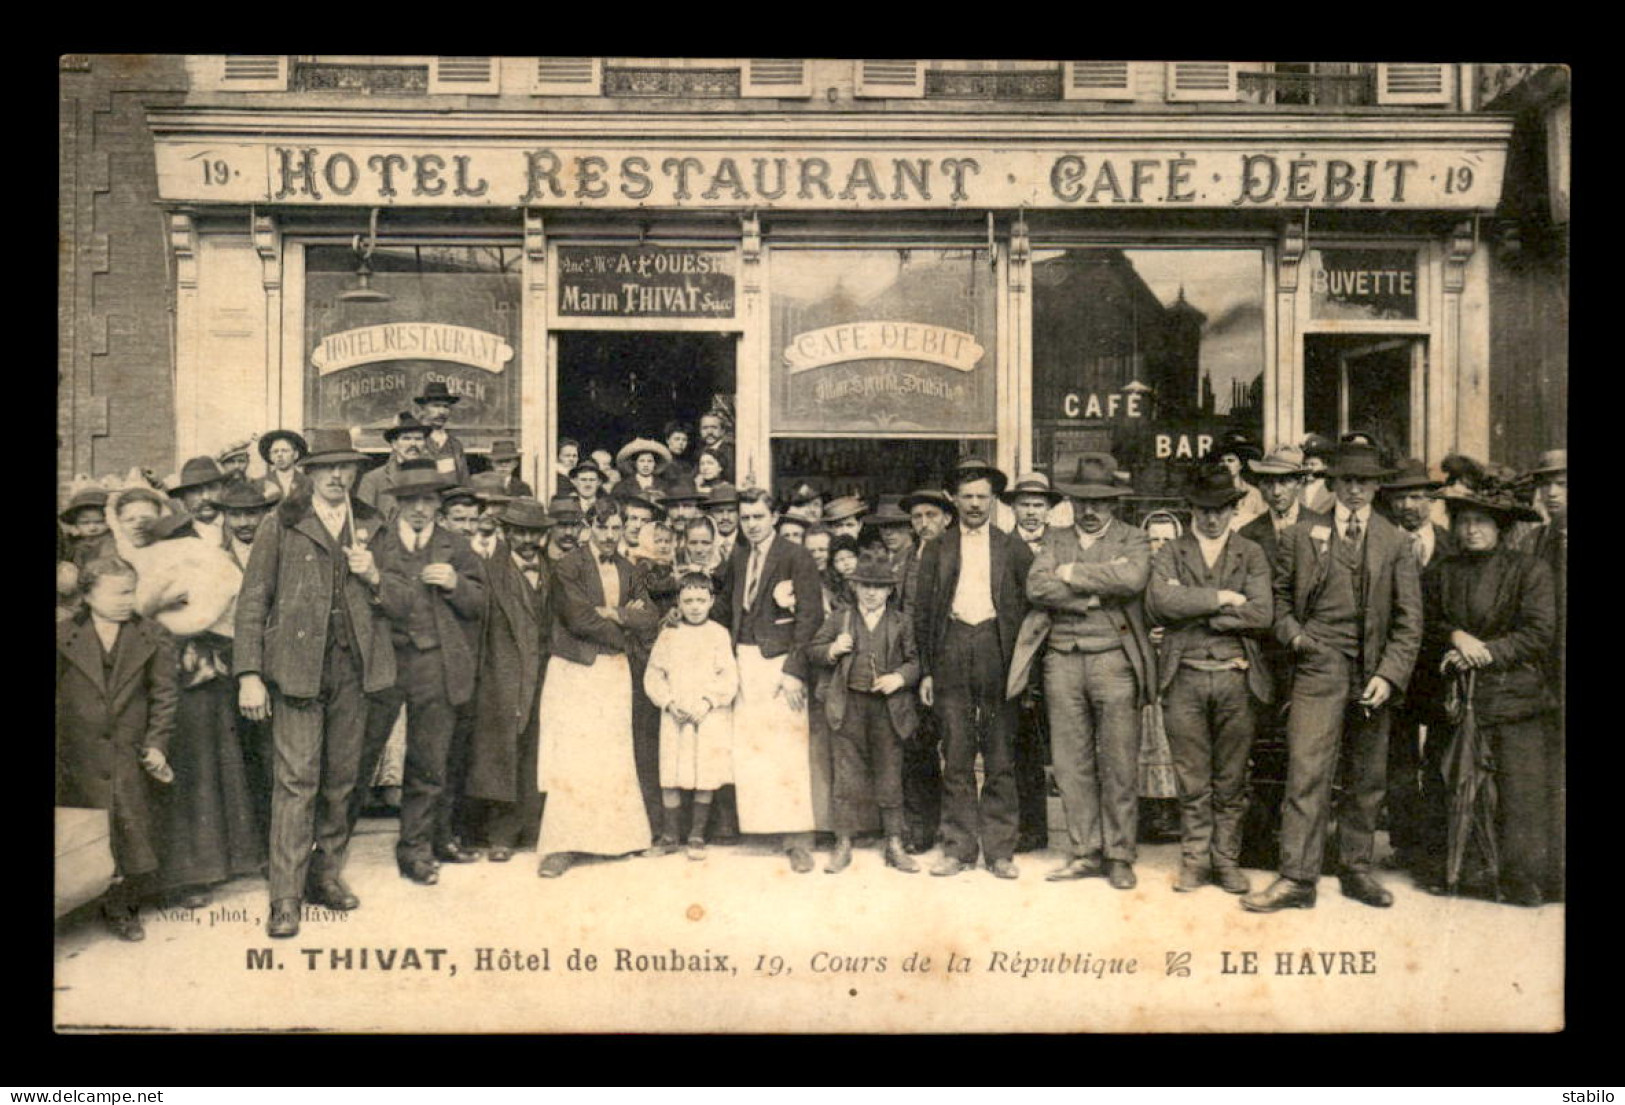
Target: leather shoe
{"x":1364,"y":888}
{"x":1231,"y":880}
{"x":948,"y":866}
{"x":284,"y":920}
{"x":1078,"y":867}
{"x":554,"y":865}
{"x":663,"y":846}
{"x":499,"y":854}
{"x":696,"y":848}
{"x":917,"y":846}
{"x":1120,"y":874}
{"x":1283,"y":893}
{"x":124,"y":922}
{"x":1031,"y":842}
{"x":1192,"y":876}
{"x":333,"y":894}
{"x":1523,"y":892}
{"x":801,"y":861}
{"x":841,"y":858}
{"x":897,"y":856}
{"x":421,"y":871}
{"x":452,"y":852}
{"x":1004,"y":869}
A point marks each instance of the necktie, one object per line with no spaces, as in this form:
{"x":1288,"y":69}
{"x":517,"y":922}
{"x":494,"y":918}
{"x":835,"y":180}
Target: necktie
{"x":1419,"y":548}
{"x":606,"y":558}
{"x":753,"y":576}
{"x":1353,"y":531}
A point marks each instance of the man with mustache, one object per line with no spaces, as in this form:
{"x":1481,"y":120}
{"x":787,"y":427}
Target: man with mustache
{"x":441,"y":446}
{"x":406,"y":443}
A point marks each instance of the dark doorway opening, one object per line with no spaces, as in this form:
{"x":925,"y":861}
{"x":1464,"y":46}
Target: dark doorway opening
{"x":1360,"y":382}
{"x":615,"y":386}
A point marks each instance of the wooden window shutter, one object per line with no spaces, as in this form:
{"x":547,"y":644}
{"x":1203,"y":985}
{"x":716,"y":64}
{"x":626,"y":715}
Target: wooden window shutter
{"x":252,"y":73}
{"x":891,"y":79}
{"x":1201,"y":80}
{"x":786,"y":77}
{"x":1408,"y":83}
{"x":1097,"y":80}
{"x":568,"y":77}
{"x":472,"y":76}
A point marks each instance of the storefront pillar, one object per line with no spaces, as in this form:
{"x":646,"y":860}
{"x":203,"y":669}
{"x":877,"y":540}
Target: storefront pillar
{"x":1458,"y":417}
{"x":268,"y":244}
{"x":183,"y":247}
{"x":1015,"y":322}
{"x":1283,"y":397}
{"x":753,"y":466}
{"x":537,"y":386}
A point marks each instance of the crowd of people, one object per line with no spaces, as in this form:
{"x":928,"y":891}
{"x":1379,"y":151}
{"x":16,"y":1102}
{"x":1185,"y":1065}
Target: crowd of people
{"x":652,"y":661}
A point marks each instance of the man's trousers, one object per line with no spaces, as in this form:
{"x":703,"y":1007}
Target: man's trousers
{"x":430,"y":720}
{"x":1094,"y":732}
{"x":1209,"y":720}
{"x":976,"y":717}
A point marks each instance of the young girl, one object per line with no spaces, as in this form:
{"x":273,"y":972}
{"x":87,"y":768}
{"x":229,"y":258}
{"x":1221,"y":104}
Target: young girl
{"x":693,"y":679}
{"x":115,"y":712}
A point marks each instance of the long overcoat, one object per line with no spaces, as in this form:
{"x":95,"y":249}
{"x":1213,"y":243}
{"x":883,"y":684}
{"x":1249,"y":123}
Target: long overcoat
{"x":513,"y":660}
{"x":454,"y":611}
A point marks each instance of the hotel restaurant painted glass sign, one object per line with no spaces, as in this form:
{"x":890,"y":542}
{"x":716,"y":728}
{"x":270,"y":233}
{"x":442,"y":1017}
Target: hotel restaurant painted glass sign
{"x":897,"y":175}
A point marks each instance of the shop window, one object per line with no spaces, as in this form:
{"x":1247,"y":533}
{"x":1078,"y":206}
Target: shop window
{"x":1150,"y":355}
{"x":425,"y":313}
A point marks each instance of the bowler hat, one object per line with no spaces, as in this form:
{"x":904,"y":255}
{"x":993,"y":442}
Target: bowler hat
{"x":630,"y":451}
{"x":435,"y":391}
{"x":1213,"y":489}
{"x":938,"y":499}
{"x":1238,"y":445}
{"x":1283,"y":460}
{"x":564,"y":508}
{"x":791,"y":518}
{"x":1362,"y":461}
{"x":1033,"y":483}
{"x":331,"y":445}
{"x":1096,"y":478}
{"x":503,"y":450}
{"x":417,"y":477}
{"x":406,"y":422}
{"x":197,"y":472}
{"x":487,"y":487}
{"x":246,"y":495}
{"x":458,"y":494}
{"x":839,"y":510}
{"x":1413,"y":474}
{"x":876,"y":571}
{"x":1552,"y":462}
{"x":888,"y":514}
{"x":722,"y":494}
{"x":584,"y":465}
{"x":90,"y":497}
{"x":974,"y":468}
{"x":525,"y":513}
{"x":269,"y":439}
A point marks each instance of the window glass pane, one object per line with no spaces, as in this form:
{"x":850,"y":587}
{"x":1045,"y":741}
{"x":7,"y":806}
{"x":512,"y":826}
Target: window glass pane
{"x":882,"y":341}
{"x":452,"y":314}
{"x":1150,"y":355}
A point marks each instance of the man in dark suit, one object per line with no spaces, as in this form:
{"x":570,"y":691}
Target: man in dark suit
{"x":440,"y":445}
{"x":502,"y":744}
{"x":1279,"y":477}
{"x":1349,"y":605}
{"x":1098,"y":671}
{"x":1211,"y":589}
{"x":1407,"y":501}
{"x":311,"y":642}
{"x":433,"y":592}
{"x":200,"y":483}
{"x":930,"y":512}
{"x":969,"y":606}
{"x":777,"y":608}
{"x":1031,"y":500}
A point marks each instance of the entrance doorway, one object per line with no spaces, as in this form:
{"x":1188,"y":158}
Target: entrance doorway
{"x":614,"y":386}
{"x":1369,"y":382}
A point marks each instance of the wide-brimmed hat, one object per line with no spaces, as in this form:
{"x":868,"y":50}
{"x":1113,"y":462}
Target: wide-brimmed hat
{"x":1413,"y":475}
{"x":1355,"y":459}
{"x":1552,"y":462}
{"x":503,"y":450}
{"x":198,"y":472}
{"x":459,"y":493}
{"x":245,"y":495}
{"x":839,"y":510}
{"x":722,"y":494}
{"x":654,"y":499}
{"x":1033,"y":483}
{"x":684,"y":493}
{"x":89,"y":497}
{"x":417,"y":477}
{"x":1096,"y":477}
{"x":269,"y":439}
{"x":975,"y":468}
{"x":874,"y":570}
{"x":407,"y":422}
{"x":1283,"y":460}
{"x":435,"y":391}
{"x":935,"y":498}
{"x":487,"y":487}
{"x":1239,"y":445}
{"x":1493,"y":497}
{"x":525,"y":513}
{"x":629,"y":453}
{"x":889,"y":513}
{"x":1213,"y":489}
{"x":235,"y":449}
{"x":564,"y":508}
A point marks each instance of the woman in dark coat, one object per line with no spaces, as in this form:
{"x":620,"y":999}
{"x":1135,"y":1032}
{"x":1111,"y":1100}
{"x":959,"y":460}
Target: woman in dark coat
{"x":115,"y":713}
{"x":1490,"y":611}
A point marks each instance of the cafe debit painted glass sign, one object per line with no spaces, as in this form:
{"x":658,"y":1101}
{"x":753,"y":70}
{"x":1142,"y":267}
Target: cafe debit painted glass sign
{"x":882,"y":341}
{"x":645,"y":281}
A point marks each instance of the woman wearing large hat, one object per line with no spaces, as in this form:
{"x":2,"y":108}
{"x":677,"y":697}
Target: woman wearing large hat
{"x":641,"y":462}
{"x":1490,"y":618}
{"x":282,"y":450}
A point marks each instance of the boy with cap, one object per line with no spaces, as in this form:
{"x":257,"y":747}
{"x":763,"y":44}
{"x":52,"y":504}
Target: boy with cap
{"x":1210,"y":588}
{"x":870,"y":705}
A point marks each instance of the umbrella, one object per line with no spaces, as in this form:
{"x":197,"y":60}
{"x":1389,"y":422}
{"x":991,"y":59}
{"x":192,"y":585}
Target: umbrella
{"x":1469,"y":772}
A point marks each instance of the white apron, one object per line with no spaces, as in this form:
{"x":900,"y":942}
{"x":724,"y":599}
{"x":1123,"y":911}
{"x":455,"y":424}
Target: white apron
{"x":584,"y":762}
{"x":772,"y":753}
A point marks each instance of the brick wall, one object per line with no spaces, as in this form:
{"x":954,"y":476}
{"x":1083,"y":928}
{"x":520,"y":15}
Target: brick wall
{"x":116,"y":395}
